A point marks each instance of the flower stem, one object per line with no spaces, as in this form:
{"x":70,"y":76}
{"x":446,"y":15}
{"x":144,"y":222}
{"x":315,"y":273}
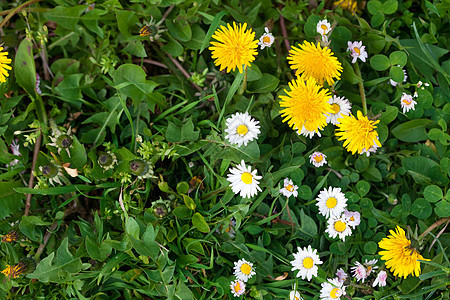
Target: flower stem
{"x":244,"y":83}
{"x":361,"y":88}
{"x":433,"y":226}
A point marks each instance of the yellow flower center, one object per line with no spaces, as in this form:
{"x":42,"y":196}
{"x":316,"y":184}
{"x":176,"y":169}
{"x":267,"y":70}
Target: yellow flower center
{"x":334,"y":293}
{"x":297,"y":298}
{"x":246,"y":269}
{"x":318,"y":158}
{"x":266,"y":39}
{"x":331,"y":202}
{"x":352,"y":218}
{"x":247,"y":178}
{"x":369,"y":268}
{"x":336,"y":108}
{"x":340,"y":226}
{"x":290,"y":188}
{"x":356,"y":49}
{"x":308,"y":263}
{"x":242,"y":130}
{"x":324,"y":27}
{"x":407,"y":101}
{"x":237,"y":287}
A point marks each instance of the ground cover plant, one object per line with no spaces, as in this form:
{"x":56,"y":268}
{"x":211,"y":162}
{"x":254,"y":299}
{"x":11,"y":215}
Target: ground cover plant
{"x":178,"y":149}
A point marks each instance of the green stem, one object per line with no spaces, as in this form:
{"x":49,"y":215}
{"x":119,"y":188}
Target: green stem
{"x":361,"y":88}
{"x":244,"y":83}
{"x":16,"y":10}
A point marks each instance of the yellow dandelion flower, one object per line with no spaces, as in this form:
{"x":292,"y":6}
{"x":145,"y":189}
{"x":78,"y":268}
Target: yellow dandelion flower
{"x":305,"y":105}
{"x":235,"y":47}
{"x":14,"y":271}
{"x":359,"y":133}
{"x":316,"y":62}
{"x":4,"y":61}
{"x":11,"y":236}
{"x":400,"y":257}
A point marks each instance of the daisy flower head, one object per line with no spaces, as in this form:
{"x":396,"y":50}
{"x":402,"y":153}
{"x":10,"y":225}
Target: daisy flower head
{"x":316,"y":62}
{"x":323,"y":28}
{"x":243,"y":270}
{"x":332,"y":289}
{"x":354,"y":218}
{"x":394,"y":83}
{"x":309,"y":133}
{"x":407,"y":102}
{"x":294,"y":295}
{"x":359,"y":272}
{"x":340,"y":107}
{"x":338,"y":226}
{"x":370,"y":265}
{"x":331,"y":202}
{"x":381,"y":279}
{"x":357,"y":50}
{"x":401,"y":258}
{"x":306,"y":261}
{"x":237,"y":288}
{"x":289,"y":188}
{"x":4,"y":65}
{"x":241,"y":129}
{"x":244,"y":181}
{"x":305,"y":105}
{"x":341,"y":275}
{"x":10,"y":237}
{"x":267,"y":39}
{"x":235,"y":47}
{"x":318,"y":159}
{"x":357,"y":133}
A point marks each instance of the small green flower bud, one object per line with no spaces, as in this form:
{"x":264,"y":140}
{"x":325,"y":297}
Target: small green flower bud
{"x":64,"y":141}
{"x":49,"y":171}
{"x":139,"y":167}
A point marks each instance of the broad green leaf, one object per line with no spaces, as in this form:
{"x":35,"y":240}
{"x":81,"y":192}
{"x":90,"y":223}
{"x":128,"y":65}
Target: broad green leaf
{"x":66,"y":17}
{"x":390,"y":7}
{"x":396,"y":74}
{"x":10,"y":201}
{"x":28,"y":226}
{"x":200,"y":223}
{"x":389,"y":114}
{"x":181,"y":32}
{"x":442,"y":208}
{"x":24,"y":67}
{"x":421,"y":208}
{"x":189,"y":202}
{"x":412,"y":131}
{"x":424,"y":170}
{"x":268,"y":83}
{"x":183,"y":133}
{"x":58,"y":269}
{"x":131,"y":81}
{"x":362,"y":187}
{"x":380,"y":62}
{"x":398,"y":58}
{"x":374,"y":7}
{"x":433,"y":193}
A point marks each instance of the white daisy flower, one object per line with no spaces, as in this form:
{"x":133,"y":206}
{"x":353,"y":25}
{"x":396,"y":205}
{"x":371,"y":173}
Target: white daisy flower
{"x":359,"y":272}
{"x":289,"y":188}
{"x":394,"y":83}
{"x":244,"y":181}
{"x":354,"y":218}
{"x":306,"y":261}
{"x":333,"y":289}
{"x":381,"y":279}
{"x":267,"y":39}
{"x":294,"y":295}
{"x":357,"y":51}
{"x":308,"y":133}
{"x":341,"y":275}
{"x":338,"y":226}
{"x":237,"y":288}
{"x":243,"y":270}
{"x":241,"y":129}
{"x":318,"y":159}
{"x":370,"y":265}
{"x":341,"y":107}
{"x":407,"y":102}
{"x":419,"y":84}
{"x":331,"y":202}
{"x":323,"y":28}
